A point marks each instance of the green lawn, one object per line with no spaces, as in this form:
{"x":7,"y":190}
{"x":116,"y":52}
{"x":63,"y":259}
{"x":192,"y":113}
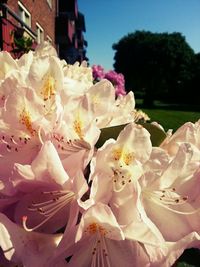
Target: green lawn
{"x":171,"y":119}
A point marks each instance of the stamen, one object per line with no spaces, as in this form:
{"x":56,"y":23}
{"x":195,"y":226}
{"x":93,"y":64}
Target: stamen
{"x":117,"y":153}
{"x":25,"y":119}
{"x":128,"y":158}
{"x":100,"y":257}
{"x":167,"y":198}
{"x":78,"y":127}
{"x":50,"y":207}
{"x":12,"y":143}
{"x":123,"y":155}
{"x":40,"y":136}
{"x":120,"y":177}
{"x":48,"y":89}
{"x":71,"y":146}
{"x":105,"y":253}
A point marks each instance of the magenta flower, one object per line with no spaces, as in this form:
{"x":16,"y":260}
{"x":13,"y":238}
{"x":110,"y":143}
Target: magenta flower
{"x":117,"y":79}
{"x":98,"y":72}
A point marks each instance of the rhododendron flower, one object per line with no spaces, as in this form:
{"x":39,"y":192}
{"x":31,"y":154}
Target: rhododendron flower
{"x":117,"y":79}
{"x":188,"y":132}
{"x":172,"y":193}
{"x":117,"y":166}
{"x":121,"y":160}
{"x":7,"y":65}
{"x":167,"y":256}
{"x":77,"y":79}
{"x":44,"y":192}
{"x":20,"y":138}
{"x":22,"y":247}
{"x":74,"y":137}
{"x":98,"y":72}
{"x":100,"y":99}
{"x":77,"y":158}
{"x":46,"y":77}
{"x":123,"y":111}
{"x":99,"y":241}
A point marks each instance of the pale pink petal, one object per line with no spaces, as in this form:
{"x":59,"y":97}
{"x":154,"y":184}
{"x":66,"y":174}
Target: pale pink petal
{"x":137,"y":139}
{"x":188,"y":132}
{"x":47,"y":165}
{"x":166,"y":257}
{"x":102,"y":215}
{"x":98,"y":192}
{"x":21,"y":247}
{"x":7,"y":64}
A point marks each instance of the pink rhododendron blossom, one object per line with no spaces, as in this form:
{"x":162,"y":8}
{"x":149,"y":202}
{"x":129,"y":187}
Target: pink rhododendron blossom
{"x":74,"y":137}
{"x":44,"y":192}
{"x":98,"y":72}
{"x":123,"y":110}
{"x":119,"y":159}
{"x":24,"y":248}
{"x":173,"y":194}
{"x":77,"y":80}
{"x":7,"y":65}
{"x":117,"y":79}
{"x":117,"y":166}
{"x":24,"y":115}
{"x":188,"y":132}
{"x":82,"y":182}
{"x":100,"y":99}
{"x":99,"y":241}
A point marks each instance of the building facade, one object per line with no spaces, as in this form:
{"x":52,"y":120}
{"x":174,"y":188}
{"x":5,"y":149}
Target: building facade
{"x":26,"y":23}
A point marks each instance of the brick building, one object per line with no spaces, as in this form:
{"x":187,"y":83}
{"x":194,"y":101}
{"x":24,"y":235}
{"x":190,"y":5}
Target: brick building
{"x":26,"y":23}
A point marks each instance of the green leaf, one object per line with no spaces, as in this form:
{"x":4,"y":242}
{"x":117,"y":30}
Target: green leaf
{"x":157,"y":135}
{"x":109,"y":132}
{"x":184,"y":264}
{"x":189,"y":258}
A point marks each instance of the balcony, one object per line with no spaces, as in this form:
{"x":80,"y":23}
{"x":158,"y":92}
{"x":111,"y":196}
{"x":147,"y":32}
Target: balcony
{"x":16,"y":36}
{"x":68,"y":7}
{"x":80,"y":22}
{"x":65,"y":29}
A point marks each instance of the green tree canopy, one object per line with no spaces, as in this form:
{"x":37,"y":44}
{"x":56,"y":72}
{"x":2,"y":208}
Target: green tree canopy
{"x":195,"y":81}
{"x":157,"y":64}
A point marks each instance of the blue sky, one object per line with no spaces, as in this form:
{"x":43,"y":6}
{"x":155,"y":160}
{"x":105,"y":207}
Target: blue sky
{"x":107,"y":21}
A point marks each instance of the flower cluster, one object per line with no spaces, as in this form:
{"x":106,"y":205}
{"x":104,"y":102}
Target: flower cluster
{"x":83,"y":180}
{"x":117,"y":79}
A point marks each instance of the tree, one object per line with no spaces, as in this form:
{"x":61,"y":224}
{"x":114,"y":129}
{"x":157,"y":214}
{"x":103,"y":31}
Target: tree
{"x":156,"y":64}
{"x":194,"y":83}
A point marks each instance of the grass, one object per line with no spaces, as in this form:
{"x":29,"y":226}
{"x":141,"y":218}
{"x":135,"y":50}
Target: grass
{"x":171,"y":119}
{"x":170,"y":116}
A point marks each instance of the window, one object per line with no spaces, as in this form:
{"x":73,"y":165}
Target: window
{"x":49,"y":3}
{"x":40,"y":33}
{"x":24,"y":14}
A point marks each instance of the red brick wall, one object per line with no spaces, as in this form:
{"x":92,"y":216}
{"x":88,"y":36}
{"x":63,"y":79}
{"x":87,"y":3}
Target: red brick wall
{"x":40,"y":13}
